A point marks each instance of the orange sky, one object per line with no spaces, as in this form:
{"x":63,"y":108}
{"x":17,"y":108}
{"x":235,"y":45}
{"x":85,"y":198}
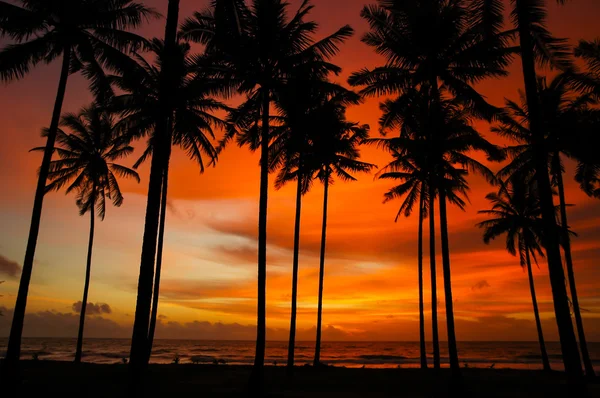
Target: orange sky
{"x":209,"y":271}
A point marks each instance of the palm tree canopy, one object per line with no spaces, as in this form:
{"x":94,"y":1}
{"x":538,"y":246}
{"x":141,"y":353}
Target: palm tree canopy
{"x":334,"y":144}
{"x":515,"y":213}
{"x":457,"y":43}
{"x":192,"y":102}
{"x":95,"y":31}
{"x":570,"y":122}
{"x":302,"y":107}
{"x":87,"y":160}
{"x":260,"y":47}
{"x":589,"y":79}
{"x":548,"y":50}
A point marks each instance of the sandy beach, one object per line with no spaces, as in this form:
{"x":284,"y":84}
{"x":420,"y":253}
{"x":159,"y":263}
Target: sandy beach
{"x":49,"y":378}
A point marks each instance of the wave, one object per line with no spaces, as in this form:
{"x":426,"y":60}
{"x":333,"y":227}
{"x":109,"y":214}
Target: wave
{"x":117,"y":355}
{"x":382,"y":357}
{"x":200,"y":349}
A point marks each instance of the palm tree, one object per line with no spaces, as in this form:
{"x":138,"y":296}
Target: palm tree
{"x":257,"y":47}
{"x":191,"y":123}
{"x":87,"y":165}
{"x":439,"y":46}
{"x":410,"y":168}
{"x":413,"y":188}
{"x":588,"y":170}
{"x":516,"y":212}
{"x":424,"y":164}
{"x":302,"y":104}
{"x":568,"y":120}
{"x":333,"y":152}
{"x":451,"y":148}
{"x":410,"y":165}
{"x":589,"y":79}
{"x":89,"y":35}
{"x":293,"y":157}
{"x":161,"y":149}
{"x":537,"y":44}
{"x":289,"y":150}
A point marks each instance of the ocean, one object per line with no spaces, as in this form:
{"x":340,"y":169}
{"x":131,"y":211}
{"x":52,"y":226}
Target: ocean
{"x":515,"y":355}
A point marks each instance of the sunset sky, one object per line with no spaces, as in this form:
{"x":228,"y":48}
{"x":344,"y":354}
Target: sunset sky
{"x":208,"y":286}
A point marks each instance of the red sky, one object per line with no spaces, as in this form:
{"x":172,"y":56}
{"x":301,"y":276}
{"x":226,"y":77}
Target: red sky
{"x":209,"y":275}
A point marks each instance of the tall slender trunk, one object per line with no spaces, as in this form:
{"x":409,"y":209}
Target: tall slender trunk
{"x":256,"y":377}
{"x":13,"y":351}
{"x":568,"y":343}
{"x":452,"y":350}
{"x":433,"y":271}
{"x":538,"y":323}
{"x":139,"y":342}
{"x":159,"y":254}
{"x":292,"y":343}
{"x":587,"y":362}
{"x":317,"y":360}
{"x":435,"y":93}
{"x":423,"y":350}
{"x":86,"y":287}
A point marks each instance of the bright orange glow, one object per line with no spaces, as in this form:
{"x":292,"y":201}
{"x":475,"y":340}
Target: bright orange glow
{"x":210,"y":251}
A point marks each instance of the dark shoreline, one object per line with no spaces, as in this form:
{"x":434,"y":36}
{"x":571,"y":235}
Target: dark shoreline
{"x":49,"y":378}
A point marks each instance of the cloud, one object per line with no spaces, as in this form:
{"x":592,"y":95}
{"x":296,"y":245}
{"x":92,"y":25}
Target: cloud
{"x":480,"y":285}
{"x":9,"y":268}
{"x":58,"y":324}
{"x":92,"y":309}
{"x":485,"y":328}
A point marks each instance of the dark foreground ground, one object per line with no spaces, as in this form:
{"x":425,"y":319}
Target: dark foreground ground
{"x":64,"y":379}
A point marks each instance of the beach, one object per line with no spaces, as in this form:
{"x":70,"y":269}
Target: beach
{"x":50,"y":378}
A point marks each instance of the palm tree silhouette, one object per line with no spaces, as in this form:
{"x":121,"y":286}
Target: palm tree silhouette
{"x":409,"y":165}
{"x":436,"y":45}
{"x":161,"y":149}
{"x":568,"y":120}
{"x":410,"y":168}
{"x":191,"y":123}
{"x":292,"y":155}
{"x":451,"y":144}
{"x":290,"y":149}
{"x":588,"y":82}
{"x":410,"y":113}
{"x":537,"y":44}
{"x":87,"y":165}
{"x":334,"y":152}
{"x":89,"y":35}
{"x":516,"y":212}
{"x":257,"y":48}
{"x":426,"y":166}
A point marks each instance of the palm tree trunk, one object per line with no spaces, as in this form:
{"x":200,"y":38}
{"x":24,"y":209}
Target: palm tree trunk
{"x":434,"y":323}
{"x":86,"y":287}
{"x":589,"y":368}
{"x":317,"y":360}
{"x":538,"y":323}
{"x":256,"y":378}
{"x":423,"y":350}
{"x":452,"y":350}
{"x":292,"y":343}
{"x":13,"y":351}
{"x":159,"y":255}
{"x":568,"y":343}
{"x":435,"y":92}
{"x":139,"y":342}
